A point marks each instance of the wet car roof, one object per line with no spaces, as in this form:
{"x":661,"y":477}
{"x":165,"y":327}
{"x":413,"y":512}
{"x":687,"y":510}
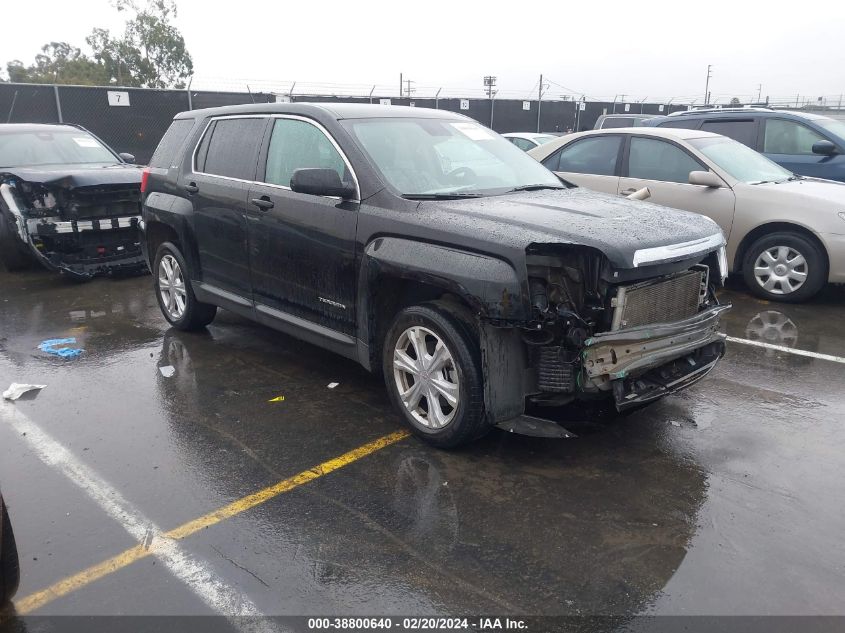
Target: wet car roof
{"x":36,"y":127}
{"x":335,"y":110}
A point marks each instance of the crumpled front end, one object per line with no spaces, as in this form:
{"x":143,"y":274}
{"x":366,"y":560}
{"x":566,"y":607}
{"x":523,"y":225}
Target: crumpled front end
{"x":81,"y":231}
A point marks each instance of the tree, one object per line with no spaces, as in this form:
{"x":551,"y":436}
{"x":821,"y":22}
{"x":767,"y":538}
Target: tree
{"x":151,"y":53}
{"x":734,"y":101}
{"x":59,"y":63}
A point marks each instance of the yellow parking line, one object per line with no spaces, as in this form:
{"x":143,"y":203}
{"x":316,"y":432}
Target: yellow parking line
{"x":85,"y":577}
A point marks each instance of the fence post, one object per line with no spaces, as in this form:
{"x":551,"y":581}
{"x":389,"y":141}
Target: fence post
{"x":190,"y":102}
{"x":58,"y":103}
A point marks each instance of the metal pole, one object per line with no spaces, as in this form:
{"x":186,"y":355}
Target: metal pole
{"x":250,"y":93}
{"x":190,"y":103}
{"x":371,"y":94}
{"x":15,"y":98}
{"x":707,"y":86}
{"x":539,"y":101}
{"x":437,"y":99}
{"x":401,"y":85}
{"x":290,"y":92}
{"x":58,"y":103}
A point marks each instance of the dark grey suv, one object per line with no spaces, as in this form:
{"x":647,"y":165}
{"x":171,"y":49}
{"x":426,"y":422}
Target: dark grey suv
{"x":427,"y":247}
{"x":804,"y":143}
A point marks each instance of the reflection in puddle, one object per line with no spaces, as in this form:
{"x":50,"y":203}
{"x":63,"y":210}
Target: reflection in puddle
{"x":771,"y":326}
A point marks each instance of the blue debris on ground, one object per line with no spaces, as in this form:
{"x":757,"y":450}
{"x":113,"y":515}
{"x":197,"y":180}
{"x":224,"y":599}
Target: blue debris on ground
{"x":58,"y":347}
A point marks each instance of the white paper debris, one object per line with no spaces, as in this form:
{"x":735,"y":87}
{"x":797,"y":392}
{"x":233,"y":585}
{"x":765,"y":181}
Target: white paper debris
{"x":675,"y":423}
{"x":167,"y":371}
{"x":16,"y":390}
{"x":332,"y":385}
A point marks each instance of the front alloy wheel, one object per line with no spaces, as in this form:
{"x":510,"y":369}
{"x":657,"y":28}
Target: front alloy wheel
{"x":432,"y":370}
{"x":426,"y":377}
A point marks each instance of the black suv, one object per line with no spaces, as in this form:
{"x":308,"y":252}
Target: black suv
{"x":426,"y":246}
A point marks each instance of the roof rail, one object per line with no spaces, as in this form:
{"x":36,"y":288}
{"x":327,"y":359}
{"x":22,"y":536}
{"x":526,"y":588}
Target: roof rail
{"x":742,"y":109}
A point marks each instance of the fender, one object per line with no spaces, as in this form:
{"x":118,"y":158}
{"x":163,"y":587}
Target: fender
{"x":175,"y":213}
{"x":491,"y":288}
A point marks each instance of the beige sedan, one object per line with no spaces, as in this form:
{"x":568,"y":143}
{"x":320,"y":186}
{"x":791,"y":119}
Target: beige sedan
{"x":786,"y":233}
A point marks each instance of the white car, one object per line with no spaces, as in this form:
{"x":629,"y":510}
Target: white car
{"x":529,"y":140}
{"x":786,"y":233}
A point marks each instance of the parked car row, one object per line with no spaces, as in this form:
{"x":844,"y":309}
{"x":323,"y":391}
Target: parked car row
{"x":786,"y":233}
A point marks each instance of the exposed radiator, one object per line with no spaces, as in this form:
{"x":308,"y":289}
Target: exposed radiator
{"x":665,"y":300}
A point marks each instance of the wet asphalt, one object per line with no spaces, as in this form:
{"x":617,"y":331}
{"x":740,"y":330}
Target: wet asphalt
{"x":726,"y":499}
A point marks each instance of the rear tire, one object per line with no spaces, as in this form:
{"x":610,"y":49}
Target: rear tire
{"x":439,"y":391}
{"x":12,"y":253}
{"x":172,"y":281}
{"x":784,"y":266}
{"x":9,"y":564}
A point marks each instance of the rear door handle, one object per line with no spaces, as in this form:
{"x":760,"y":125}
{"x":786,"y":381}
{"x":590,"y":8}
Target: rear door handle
{"x":264,"y":203}
{"x":191,"y":187}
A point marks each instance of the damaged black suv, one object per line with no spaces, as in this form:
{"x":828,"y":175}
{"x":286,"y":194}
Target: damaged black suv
{"x":425,"y":246}
{"x":67,"y":202}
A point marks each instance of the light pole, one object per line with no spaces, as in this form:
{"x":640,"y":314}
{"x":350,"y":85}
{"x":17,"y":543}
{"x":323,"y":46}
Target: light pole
{"x":707,"y":85}
{"x":489,"y":84}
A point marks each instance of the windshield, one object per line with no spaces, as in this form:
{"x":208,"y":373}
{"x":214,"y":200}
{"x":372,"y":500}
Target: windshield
{"x":740,"y":161}
{"x":544,"y":138}
{"x":832,"y":125}
{"x":70,"y":147}
{"x":430,"y":157}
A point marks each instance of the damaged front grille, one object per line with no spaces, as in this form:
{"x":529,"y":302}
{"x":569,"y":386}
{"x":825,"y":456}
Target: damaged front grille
{"x":664,"y":300}
{"x":98,"y":202}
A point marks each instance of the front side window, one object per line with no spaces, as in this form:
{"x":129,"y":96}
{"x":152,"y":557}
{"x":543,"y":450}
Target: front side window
{"x":61,"y":146}
{"x":743,"y":131}
{"x":595,"y":155}
{"x":653,"y":159}
{"x":297,"y":144}
{"x":230,"y":148}
{"x":741,"y":162}
{"x":442,"y":157}
{"x":789,"y":137}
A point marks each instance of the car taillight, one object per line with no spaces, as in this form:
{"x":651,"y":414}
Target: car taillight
{"x":145,"y":176}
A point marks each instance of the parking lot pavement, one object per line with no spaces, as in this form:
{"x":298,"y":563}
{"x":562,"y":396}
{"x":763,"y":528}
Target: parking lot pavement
{"x":130,"y":491}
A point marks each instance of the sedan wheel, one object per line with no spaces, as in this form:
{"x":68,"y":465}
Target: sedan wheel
{"x":781,"y":270}
{"x":426,"y":377}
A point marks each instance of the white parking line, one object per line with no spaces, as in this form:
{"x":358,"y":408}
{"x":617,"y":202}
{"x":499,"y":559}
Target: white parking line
{"x":197,"y":575}
{"x":788,"y":350}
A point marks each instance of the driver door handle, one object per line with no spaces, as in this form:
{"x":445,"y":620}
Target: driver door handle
{"x":264,"y":203}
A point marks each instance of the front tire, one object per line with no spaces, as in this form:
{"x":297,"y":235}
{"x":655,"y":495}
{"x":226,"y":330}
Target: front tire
{"x":432,"y":371}
{"x":9,"y":565}
{"x":174,"y":292}
{"x":784,"y":266}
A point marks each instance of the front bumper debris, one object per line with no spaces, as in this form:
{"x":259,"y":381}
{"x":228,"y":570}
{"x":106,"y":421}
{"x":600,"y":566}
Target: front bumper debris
{"x":620,"y":354}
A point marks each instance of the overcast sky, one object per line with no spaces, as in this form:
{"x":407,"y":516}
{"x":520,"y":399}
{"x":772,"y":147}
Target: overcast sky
{"x":640,"y":49}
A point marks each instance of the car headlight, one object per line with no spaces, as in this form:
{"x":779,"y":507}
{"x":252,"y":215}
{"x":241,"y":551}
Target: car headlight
{"x":723,"y":263}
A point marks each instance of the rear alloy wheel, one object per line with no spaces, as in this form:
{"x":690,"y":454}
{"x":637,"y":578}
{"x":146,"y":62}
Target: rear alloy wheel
{"x":432,"y":373}
{"x":173,"y":291}
{"x":784,"y":267}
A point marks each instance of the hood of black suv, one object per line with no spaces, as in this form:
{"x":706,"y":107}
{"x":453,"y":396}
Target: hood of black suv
{"x":616,"y":226}
{"x":72,"y":176}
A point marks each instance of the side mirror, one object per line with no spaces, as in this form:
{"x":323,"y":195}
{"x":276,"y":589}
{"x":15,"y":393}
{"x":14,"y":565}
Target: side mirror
{"x":825,"y":148}
{"x":705,"y":179}
{"x":127,"y":158}
{"x":321,"y":182}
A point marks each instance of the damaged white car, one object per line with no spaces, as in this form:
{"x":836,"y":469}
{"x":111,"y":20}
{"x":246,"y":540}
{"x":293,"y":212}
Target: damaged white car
{"x":67,"y":201}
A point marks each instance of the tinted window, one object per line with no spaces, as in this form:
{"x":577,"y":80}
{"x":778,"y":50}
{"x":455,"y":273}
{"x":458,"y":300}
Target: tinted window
{"x":233,"y":148}
{"x":789,"y":137}
{"x":652,"y":159}
{"x":171,"y":142}
{"x":596,"y":155}
{"x":743,"y":131}
{"x":523,"y":144}
{"x":617,"y":122}
{"x":683,"y":123}
{"x":298,"y":145}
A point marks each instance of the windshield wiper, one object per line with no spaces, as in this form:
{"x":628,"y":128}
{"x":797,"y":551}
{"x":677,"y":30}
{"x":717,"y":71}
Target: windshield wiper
{"x":534,"y":188}
{"x":455,"y":195}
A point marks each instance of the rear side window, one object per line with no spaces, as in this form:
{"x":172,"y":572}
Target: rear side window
{"x":230,"y":148}
{"x":296,"y":145}
{"x":166,"y":152}
{"x":744,"y":131}
{"x":652,"y":159}
{"x":789,"y":137}
{"x":682,"y":123}
{"x":616,"y":122}
{"x":595,"y":155}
